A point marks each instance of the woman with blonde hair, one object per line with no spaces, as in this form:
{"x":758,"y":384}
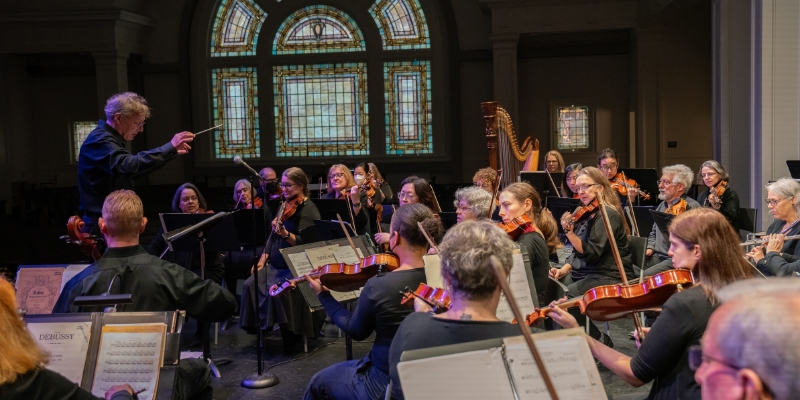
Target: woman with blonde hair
{"x":553,"y":162}
{"x":713,"y":175}
{"x":23,"y":374}
{"x":341,"y":184}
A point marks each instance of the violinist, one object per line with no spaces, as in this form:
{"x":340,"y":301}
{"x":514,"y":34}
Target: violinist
{"x":241,"y":195}
{"x":627,"y":189}
{"x":570,"y":176}
{"x":783,"y":201}
{"x":341,"y":184}
{"x":719,"y":195}
{"x":270,"y":188}
{"x":372,"y":174}
{"x":290,"y":312}
{"x":702,"y":241}
{"x":413,"y":190}
{"x":375,"y":197}
{"x":675,"y":181}
{"x":520,"y":201}
{"x":378,"y":310}
{"x":591,"y":263}
{"x":472,"y":203}
{"x":553,"y":162}
{"x":472,"y":315}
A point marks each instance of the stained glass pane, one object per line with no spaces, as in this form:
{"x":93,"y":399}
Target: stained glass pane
{"x":321,"y":110}
{"x":81,"y":130}
{"x":573,"y":127}
{"x":318,"y":29}
{"x":236,"y":28}
{"x":401,"y":23}
{"x":236,"y":107}
{"x":408,"y":107}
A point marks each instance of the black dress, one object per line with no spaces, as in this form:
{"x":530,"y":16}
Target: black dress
{"x":729,"y":207}
{"x":535,"y":245}
{"x":44,"y":384}
{"x":290,"y":308}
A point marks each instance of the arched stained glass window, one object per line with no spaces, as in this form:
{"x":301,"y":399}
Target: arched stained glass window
{"x":236,"y":28}
{"x":408,"y":107}
{"x":235,"y":105}
{"x":318,"y":29}
{"x":401,"y":23}
{"x":321,"y":110}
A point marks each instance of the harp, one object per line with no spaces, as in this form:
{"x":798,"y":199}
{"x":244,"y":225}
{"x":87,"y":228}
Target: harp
{"x":504,"y":149}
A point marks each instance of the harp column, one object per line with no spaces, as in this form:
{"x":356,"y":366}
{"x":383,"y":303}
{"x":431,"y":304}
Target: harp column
{"x":504,"y":50}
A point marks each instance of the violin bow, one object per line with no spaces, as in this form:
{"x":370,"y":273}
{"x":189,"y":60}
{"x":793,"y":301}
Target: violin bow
{"x":434,"y":198}
{"x":618,"y":260}
{"x":428,"y":237}
{"x":526,"y":331}
{"x":349,"y":208}
{"x":344,"y":228}
{"x":553,"y":182}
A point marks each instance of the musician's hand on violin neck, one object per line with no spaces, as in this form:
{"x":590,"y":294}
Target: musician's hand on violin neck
{"x":562,"y":317}
{"x":316,"y":286}
{"x":355,"y":195}
{"x":421,"y":306}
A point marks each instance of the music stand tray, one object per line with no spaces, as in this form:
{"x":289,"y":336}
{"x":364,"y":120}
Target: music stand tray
{"x":541,"y":182}
{"x":662,"y":221}
{"x":219,"y":235}
{"x":331,"y":230}
{"x":329,"y":208}
{"x":647,"y":178}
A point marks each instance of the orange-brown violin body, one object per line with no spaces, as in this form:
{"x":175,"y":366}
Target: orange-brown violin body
{"x":677,"y":208}
{"x":718,"y":191}
{"x":438,"y":298}
{"x":517,"y":226}
{"x":343,"y":277}
{"x":88,"y":245}
{"x":620,"y":183}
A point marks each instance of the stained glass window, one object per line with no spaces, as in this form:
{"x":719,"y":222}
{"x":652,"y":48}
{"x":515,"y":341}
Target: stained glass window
{"x":321,"y":110}
{"x":236,"y":107}
{"x":236,"y":28}
{"x":573,"y":127}
{"x":401,"y":23}
{"x":80,"y":131}
{"x":318,"y":29}
{"x":408,"y":107}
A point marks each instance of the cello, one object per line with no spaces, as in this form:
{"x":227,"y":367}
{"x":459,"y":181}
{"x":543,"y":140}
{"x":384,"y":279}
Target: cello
{"x":86,"y":242}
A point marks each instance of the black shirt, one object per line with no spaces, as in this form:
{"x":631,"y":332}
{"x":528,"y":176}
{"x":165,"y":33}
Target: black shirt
{"x":597,"y":257}
{"x":664,"y":352}
{"x":105,"y":165}
{"x":44,"y":384}
{"x":536,"y":247}
{"x":301,"y":225}
{"x":379,"y":310}
{"x":156,"y":285}
{"x":729,"y":207}
{"x":422,"y":330}
{"x":785,"y":262}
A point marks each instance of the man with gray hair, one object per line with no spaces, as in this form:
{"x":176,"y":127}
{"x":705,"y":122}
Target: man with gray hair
{"x":105,"y":165}
{"x":748,"y":350}
{"x":672,"y":187}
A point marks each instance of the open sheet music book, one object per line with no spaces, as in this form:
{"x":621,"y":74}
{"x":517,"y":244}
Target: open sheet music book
{"x":130,"y":353}
{"x":507,"y":371}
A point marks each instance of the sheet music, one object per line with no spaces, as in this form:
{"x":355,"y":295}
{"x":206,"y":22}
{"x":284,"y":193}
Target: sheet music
{"x":573,"y":373}
{"x":67,"y":343}
{"x":130,"y":354}
{"x":433,"y":270}
{"x":70,"y":272}
{"x":519,"y":286}
{"x":38,"y":289}
{"x":345,"y":254}
{"x":301,"y":263}
{"x":327,"y":255}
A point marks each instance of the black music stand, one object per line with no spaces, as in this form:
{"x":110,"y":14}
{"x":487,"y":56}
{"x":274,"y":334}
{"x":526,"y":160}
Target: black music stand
{"x":794,"y":168}
{"x":647,"y":178}
{"x":243,"y":220}
{"x":190,"y":232}
{"x":331,"y":230}
{"x":662,"y":221}
{"x":541,"y":182}
{"x":329,"y":208}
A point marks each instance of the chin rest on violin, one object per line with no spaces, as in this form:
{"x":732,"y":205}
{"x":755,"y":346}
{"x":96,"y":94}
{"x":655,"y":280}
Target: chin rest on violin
{"x":610,"y":302}
{"x":437,"y":298}
{"x":343,"y":277}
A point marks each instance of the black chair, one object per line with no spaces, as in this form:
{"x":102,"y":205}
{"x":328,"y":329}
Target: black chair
{"x":638,"y":246}
{"x":747,"y":218}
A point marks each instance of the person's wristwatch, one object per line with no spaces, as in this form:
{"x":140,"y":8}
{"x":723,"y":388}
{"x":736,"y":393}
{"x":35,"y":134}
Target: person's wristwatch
{"x":287,"y":235}
{"x":356,"y":205}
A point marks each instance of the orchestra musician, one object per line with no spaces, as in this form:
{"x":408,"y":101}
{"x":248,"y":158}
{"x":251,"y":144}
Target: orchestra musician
{"x":340,"y":184}
{"x":378,"y":310}
{"x":270,"y":188}
{"x":717,"y":180}
{"x":289,"y":311}
{"x":472,"y":315}
{"x":570,"y":176}
{"x":592,"y":263}
{"x":702,"y":241}
{"x":783,"y":201}
{"x":672,"y":187}
{"x":486,"y":179}
{"x":23,"y":375}
{"x":413,"y":190}
{"x":553,"y":162}
{"x":366,"y":182}
{"x":472,"y":203}
{"x":105,"y":165}
{"x":371,"y":173}
{"x":520,"y":200}
{"x":608,"y":163}
{"x":241,"y":195}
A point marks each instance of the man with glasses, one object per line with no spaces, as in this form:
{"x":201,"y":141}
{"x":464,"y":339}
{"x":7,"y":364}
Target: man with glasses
{"x":270,"y":188}
{"x":675,"y":181}
{"x":105,"y":165}
{"x":746,"y":352}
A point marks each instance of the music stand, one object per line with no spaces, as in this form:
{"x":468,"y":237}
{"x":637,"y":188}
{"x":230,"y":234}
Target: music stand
{"x":541,"y":182}
{"x":331,"y":230}
{"x":212,"y":232}
{"x":647,"y":178}
{"x":794,"y":168}
{"x":643,"y":219}
{"x":662,"y":221}
{"x":329,"y":208}
{"x":243,"y":221}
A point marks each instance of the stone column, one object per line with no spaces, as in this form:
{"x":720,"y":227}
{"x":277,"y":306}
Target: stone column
{"x":648,"y":148}
{"x":112,"y":74}
{"x":504,"y":49}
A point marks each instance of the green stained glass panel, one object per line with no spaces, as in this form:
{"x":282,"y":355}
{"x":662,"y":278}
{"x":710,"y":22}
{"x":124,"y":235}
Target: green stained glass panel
{"x":408,"y":107}
{"x":235,"y":106}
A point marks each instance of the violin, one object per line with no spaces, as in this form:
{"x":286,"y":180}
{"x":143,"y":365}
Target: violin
{"x":717,"y":191}
{"x":86,"y":242}
{"x":517,"y":226}
{"x":677,"y":208}
{"x":582,"y":213}
{"x":610,"y":302}
{"x":437,"y":298}
{"x":620,"y":183}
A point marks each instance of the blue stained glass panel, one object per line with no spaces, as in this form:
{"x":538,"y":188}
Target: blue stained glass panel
{"x":236,"y":28}
{"x":401,"y":24}
{"x":408,"y":107}
{"x":318,"y":29}
{"x":235,"y":105}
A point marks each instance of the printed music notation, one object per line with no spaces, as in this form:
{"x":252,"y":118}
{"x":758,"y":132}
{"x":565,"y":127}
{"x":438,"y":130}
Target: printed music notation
{"x":518,"y":283}
{"x":131,"y":354}
{"x":67,"y":343}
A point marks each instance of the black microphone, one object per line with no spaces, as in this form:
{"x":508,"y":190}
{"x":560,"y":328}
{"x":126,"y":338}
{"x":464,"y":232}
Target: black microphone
{"x":238,"y":160}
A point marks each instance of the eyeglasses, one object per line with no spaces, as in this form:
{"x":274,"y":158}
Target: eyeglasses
{"x":243,"y":190}
{"x":286,"y":185}
{"x":697,"y":358}
{"x":406,"y":195}
{"x":139,"y":124}
{"x":608,"y":166}
{"x":708,"y":175}
{"x":584,"y":189}
{"x":552,"y":161}
{"x":186,"y":199}
{"x":773,"y":203}
{"x":336,"y":175}
{"x":665,"y":183}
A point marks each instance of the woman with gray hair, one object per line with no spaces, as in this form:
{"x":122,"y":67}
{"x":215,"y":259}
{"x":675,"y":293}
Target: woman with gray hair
{"x":472,"y":203}
{"x":465,"y":252}
{"x":783,"y":201}
{"x":716,"y":179}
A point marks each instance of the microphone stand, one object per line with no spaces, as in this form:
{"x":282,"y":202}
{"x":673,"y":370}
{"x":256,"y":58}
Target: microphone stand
{"x":260,"y":379}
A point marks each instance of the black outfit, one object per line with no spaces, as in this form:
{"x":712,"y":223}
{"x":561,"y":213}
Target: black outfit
{"x":44,"y":384}
{"x":378,"y":310}
{"x":536,"y":247}
{"x":214,"y":269}
{"x":290,"y":310}
{"x":372,"y":212}
{"x":361,"y":219}
{"x":237,"y":263}
{"x":729,"y":207}
{"x":663,"y":356}
{"x":422,"y":330}
{"x":388,"y":195}
{"x":785,"y":262}
{"x":105,"y":165}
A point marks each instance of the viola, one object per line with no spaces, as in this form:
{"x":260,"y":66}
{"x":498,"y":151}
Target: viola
{"x":581,"y":213}
{"x":291,"y":207}
{"x":343,"y":277}
{"x":86,"y":242}
{"x":517,"y":226}
{"x":717,"y":191}
{"x":437,"y":298}
{"x":621,"y":184}
{"x":677,"y":208}
{"x":610,"y":302}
